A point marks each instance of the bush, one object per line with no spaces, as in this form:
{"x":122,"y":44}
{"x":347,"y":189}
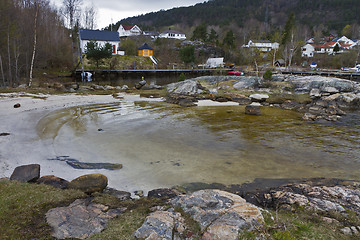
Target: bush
{"x":182,"y":77}
{"x":267,"y":75}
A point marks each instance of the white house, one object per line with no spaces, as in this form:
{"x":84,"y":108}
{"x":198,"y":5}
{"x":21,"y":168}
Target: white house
{"x":344,"y":40}
{"x":129,"y":30}
{"x":101,"y":37}
{"x":262,"y":45}
{"x":215,"y":62}
{"x":308,"y":50}
{"x":173,"y":34}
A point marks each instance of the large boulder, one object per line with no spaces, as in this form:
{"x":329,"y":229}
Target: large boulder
{"x":80,"y":220}
{"x":89,"y":183}
{"x":221,"y":215}
{"x":26,"y":173}
{"x":187,"y":87}
{"x":162,"y":225}
{"x":247,"y":82}
{"x":324,"y":84}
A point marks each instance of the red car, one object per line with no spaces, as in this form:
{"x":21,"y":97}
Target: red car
{"x":236,"y":73}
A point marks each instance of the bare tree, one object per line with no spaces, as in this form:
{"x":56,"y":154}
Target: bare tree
{"x":89,"y":18}
{"x":71,"y":9}
{"x":37,"y":5}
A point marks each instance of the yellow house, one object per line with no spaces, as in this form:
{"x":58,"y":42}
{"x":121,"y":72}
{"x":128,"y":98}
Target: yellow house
{"x":145,"y":51}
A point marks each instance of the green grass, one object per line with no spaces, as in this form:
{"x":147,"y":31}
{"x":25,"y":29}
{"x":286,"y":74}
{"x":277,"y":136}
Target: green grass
{"x":301,"y":224}
{"x":23,"y":207}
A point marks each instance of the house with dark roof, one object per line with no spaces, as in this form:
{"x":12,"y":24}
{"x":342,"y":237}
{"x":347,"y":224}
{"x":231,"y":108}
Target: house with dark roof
{"x":145,"y":51}
{"x":101,"y":37}
{"x":129,"y":30}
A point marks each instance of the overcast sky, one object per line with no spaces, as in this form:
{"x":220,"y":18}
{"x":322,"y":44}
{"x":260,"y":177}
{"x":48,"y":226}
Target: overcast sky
{"x":114,"y":10}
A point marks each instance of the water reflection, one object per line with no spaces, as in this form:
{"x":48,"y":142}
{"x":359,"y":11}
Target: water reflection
{"x":163,"y":145}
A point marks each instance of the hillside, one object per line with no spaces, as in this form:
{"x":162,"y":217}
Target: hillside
{"x":258,"y":16}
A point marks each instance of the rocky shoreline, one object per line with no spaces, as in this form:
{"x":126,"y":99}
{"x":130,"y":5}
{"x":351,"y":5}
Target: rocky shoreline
{"x":318,"y":98}
{"x":220,"y":212}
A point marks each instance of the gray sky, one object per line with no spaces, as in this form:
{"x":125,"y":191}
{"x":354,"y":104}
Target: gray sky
{"x":116,"y":10}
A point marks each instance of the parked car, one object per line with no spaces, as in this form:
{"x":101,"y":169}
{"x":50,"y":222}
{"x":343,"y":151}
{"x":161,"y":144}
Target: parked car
{"x":236,"y":73}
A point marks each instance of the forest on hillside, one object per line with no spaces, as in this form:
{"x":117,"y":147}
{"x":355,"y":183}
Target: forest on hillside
{"x":258,"y":17}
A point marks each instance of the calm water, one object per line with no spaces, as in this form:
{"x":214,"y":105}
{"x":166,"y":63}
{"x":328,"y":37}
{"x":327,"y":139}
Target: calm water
{"x":162,"y":145}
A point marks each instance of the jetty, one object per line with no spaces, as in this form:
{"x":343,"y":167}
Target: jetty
{"x":138,"y":73}
{"x":354,"y":76}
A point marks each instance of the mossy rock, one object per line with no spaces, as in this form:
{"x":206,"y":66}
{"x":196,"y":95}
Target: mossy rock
{"x":89,"y":183}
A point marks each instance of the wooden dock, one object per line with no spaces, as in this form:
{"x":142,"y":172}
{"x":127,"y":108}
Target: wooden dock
{"x":354,"y":76}
{"x":138,"y":73}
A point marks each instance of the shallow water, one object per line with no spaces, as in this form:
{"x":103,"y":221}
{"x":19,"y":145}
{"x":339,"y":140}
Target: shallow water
{"x":161,"y":145}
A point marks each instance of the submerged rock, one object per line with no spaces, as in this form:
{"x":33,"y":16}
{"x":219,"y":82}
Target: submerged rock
{"x":253,"y":110}
{"x":84,"y":165}
{"x":26,"y":173}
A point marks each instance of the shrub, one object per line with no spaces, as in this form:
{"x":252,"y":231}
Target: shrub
{"x":182,"y":77}
{"x":267,"y":75}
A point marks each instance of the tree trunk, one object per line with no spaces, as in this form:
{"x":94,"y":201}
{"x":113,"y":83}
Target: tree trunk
{"x":257,"y":69}
{"x":34,"y":46}
{"x":274,"y":58}
{"x":2,"y":72}
{"x":9,"y":59}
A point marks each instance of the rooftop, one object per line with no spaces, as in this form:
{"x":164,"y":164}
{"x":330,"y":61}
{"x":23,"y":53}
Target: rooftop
{"x":98,"y":35}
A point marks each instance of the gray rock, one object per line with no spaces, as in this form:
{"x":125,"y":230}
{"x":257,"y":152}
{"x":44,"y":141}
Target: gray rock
{"x":26,"y":173}
{"x":161,"y":225}
{"x":259,"y":97}
{"x":80,"y":220}
{"x":140,"y":84}
{"x":346,"y":231}
{"x":354,"y":230}
{"x":315,"y":93}
{"x":163,"y":193}
{"x":331,"y":90}
{"x":309,"y":117}
{"x":121,"y":195}
{"x":221,"y":214}
{"x":247,"y":82}
{"x":187,"y":87}
{"x":108,"y":87}
{"x":125,"y":87}
{"x":325,"y":205}
{"x":85,"y":88}
{"x":306,"y":83}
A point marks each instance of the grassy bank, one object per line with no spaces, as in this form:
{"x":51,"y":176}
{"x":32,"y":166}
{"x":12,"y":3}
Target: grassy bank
{"x":23,"y":207}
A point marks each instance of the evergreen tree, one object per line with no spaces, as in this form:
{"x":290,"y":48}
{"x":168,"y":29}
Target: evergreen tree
{"x":229,"y":39}
{"x":200,"y":33}
{"x":96,"y":52}
{"x":289,"y":27}
{"x":187,"y":54}
{"x":213,"y":36}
